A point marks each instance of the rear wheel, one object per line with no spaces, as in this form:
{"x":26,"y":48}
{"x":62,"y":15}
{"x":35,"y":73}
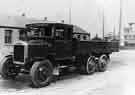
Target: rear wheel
{"x":88,"y":65}
{"x":7,"y":68}
{"x":41,"y":73}
{"x":102,"y":63}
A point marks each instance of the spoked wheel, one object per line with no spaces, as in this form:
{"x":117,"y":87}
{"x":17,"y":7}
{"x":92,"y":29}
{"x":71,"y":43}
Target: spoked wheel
{"x":102,"y":64}
{"x":41,"y":73}
{"x":7,"y":68}
{"x":89,"y":66}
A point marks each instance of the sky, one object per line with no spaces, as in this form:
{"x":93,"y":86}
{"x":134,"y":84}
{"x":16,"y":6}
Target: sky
{"x":87,"y":14}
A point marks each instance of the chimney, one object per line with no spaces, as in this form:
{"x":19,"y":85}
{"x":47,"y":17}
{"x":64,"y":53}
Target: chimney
{"x":45,"y":18}
{"x":62,"y":21}
{"x":23,"y":14}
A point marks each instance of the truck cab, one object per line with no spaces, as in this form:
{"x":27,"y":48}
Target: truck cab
{"x":43,"y":40}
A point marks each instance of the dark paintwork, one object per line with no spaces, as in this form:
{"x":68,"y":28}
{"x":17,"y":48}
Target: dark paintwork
{"x":66,"y":48}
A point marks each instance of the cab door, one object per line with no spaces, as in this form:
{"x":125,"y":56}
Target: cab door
{"x":63,"y":42}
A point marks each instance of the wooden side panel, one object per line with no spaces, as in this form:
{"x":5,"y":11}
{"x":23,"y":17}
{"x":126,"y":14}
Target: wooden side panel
{"x":85,"y":47}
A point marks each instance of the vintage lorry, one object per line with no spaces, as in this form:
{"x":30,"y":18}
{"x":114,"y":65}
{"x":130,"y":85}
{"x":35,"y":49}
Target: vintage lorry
{"x":48,"y":47}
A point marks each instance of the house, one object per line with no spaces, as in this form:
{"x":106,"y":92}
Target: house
{"x":80,"y":34}
{"x":12,"y":30}
{"x":129,"y":35}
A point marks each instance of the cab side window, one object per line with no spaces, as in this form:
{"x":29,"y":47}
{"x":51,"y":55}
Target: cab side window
{"x":48,"y":31}
{"x":59,"y":33}
{"x":69,"y":33}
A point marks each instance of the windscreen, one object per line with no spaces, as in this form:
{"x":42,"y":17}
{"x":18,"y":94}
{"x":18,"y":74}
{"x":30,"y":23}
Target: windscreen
{"x":40,"y":32}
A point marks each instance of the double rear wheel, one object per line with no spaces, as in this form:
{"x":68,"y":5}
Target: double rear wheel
{"x":102,"y":63}
{"x":88,"y":65}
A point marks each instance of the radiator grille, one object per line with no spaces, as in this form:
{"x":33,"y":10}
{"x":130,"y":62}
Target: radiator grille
{"x":19,"y":53}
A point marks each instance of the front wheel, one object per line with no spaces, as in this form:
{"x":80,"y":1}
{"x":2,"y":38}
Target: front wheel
{"x":7,"y":68}
{"x":41,"y":73}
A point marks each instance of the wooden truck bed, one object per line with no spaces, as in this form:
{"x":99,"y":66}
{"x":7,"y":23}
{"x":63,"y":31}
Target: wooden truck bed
{"x":98,"y":47}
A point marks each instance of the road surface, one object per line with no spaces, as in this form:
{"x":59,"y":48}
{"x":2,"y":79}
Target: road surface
{"x":119,"y":79}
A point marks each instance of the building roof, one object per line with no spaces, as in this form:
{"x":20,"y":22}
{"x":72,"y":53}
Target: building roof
{"x":16,"y":21}
{"x":77,"y":29}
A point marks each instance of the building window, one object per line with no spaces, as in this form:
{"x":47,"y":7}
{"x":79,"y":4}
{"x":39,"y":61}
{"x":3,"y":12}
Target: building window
{"x":129,"y":37}
{"x":22,"y":35}
{"x":8,"y":36}
{"x":134,"y":37}
{"x":84,"y":37}
{"x":78,"y":36}
{"x":126,"y":37}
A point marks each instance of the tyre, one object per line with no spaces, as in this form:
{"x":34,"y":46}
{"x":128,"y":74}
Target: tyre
{"x":108,"y":59}
{"x":7,"y":68}
{"x":41,"y":73}
{"x":102,"y":63}
{"x":88,"y":65}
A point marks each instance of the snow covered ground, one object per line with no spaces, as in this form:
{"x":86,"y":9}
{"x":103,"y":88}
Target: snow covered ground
{"x":119,"y":79}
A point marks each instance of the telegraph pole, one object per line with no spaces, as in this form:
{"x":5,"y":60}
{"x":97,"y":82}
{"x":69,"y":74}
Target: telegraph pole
{"x":103,"y":23}
{"x":114,"y":34}
{"x":70,"y":11}
{"x":69,"y":15}
{"x":120,"y":21}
